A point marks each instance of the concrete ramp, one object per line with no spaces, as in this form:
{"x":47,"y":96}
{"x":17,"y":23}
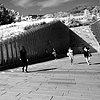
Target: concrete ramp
{"x":95,"y":28}
{"x":86,"y":34}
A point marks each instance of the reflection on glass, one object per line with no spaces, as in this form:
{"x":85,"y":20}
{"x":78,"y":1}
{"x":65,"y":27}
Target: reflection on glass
{"x":9,"y":51}
{"x":4,"y":52}
{"x":14,"y":51}
{"x":0,"y":55}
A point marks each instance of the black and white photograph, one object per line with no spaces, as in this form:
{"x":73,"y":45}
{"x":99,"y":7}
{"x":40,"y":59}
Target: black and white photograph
{"x":49,"y":49}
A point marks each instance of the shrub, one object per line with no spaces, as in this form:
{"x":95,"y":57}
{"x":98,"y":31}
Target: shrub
{"x":28,"y":27}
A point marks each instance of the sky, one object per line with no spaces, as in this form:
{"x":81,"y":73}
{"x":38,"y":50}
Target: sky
{"x":40,"y":7}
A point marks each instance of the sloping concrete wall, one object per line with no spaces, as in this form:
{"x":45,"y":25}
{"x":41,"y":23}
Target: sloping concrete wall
{"x":85,"y":36}
{"x":55,"y":35}
{"x":96,"y":30}
{"x":36,"y":41}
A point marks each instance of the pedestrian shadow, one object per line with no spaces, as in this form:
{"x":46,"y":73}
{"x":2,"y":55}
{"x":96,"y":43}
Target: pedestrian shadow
{"x":80,"y":63}
{"x":86,"y":62}
{"x":42,"y":70}
{"x":95,"y":64}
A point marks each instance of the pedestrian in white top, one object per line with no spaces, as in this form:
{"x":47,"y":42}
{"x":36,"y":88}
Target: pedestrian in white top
{"x":54,"y":53}
{"x":70,"y":55}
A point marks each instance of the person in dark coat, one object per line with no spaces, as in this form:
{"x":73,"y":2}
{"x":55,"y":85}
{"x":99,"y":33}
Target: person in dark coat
{"x":23,"y":58}
{"x":86,"y":51}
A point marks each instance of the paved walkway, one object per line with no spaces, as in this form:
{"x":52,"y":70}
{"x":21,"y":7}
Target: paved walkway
{"x":53,"y":80}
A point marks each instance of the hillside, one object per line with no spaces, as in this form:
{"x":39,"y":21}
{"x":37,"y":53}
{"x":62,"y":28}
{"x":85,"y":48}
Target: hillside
{"x":80,"y":9}
{"x":76,"y":10}
{"x":11,"y":30}
{"x":8,"y":16}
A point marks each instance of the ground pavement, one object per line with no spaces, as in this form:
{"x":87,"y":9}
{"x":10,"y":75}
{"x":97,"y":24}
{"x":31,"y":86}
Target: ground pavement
{"x":53,"y":80}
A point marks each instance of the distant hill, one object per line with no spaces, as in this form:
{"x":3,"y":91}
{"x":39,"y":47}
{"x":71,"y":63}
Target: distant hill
{"x":8,"y":16}
{"x":80,"y":9}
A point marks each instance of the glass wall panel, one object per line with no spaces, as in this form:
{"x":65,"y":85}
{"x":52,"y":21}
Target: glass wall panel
{"x":0,"y":56}
{"x":17,"y":50}
{"x":14,"y":51}
{"x":4,"y":52}
{"x":9,"y":51}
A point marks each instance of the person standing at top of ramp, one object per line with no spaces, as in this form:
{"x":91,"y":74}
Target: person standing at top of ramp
{"x":23,"y":58}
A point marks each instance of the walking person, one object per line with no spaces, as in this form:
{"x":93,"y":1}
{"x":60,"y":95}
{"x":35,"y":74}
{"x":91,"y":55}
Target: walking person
{"x":23,"y":58}
{"x":87,"y":54}
{"x":70,"y":55}
{"x":54,"y":53}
